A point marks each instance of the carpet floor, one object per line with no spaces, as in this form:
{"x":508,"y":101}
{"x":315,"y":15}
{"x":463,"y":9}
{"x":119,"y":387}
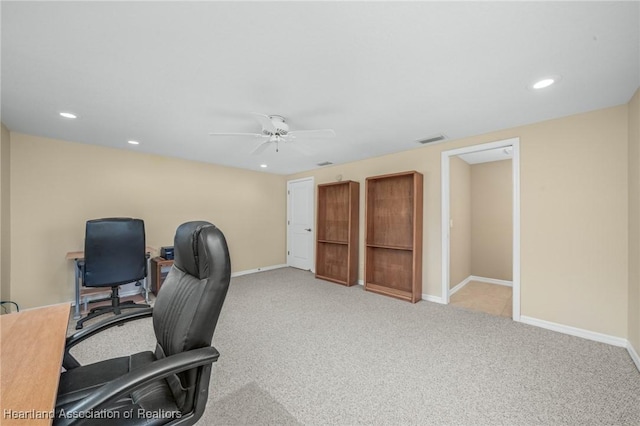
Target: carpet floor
{"x":300,"y":351}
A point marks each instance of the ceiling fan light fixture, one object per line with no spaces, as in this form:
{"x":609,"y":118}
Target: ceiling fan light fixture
{"x":133,"y":142}
{"x":264,"y":166}
{"x":69,"y":115}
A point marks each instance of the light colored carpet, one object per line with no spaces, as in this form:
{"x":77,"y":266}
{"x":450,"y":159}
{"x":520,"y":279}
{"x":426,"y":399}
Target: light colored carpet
{"x":296,"y":350}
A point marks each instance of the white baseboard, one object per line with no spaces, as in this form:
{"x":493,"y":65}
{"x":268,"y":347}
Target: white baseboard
{"x":45,"y":306}
{"x":139,"y":290}
{"x":434,"y":299}
{"x":459,"y":286}
{"x":574,"y":331}
{"x":470,"y":278}
{"x":634,"y":355}
{"x":585,"y":334}
{"x":361,"y":282}
{"x":490,"y":280}
{"x":261,"y":269}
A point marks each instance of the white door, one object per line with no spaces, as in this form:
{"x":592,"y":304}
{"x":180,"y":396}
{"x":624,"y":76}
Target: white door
{"x":300,"y":233}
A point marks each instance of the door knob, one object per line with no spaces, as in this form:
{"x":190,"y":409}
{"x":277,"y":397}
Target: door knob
{"x":308,"y":229}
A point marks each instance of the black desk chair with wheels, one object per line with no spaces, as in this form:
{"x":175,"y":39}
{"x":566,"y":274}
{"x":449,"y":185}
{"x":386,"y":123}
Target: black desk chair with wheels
{"x":114,"y":254}
{"x":169,"y":386}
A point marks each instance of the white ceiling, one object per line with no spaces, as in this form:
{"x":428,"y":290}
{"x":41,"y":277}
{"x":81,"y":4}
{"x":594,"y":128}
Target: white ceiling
{"x":381,"y":74}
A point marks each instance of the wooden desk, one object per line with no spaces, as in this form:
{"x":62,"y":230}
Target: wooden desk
{"x":31,"y":349}
{"x":79,"y":255}
{"x":78,"y":258}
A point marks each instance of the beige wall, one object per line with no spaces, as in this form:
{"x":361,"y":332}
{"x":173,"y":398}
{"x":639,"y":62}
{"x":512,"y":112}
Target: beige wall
{"x":574,"y":211}
{"x":56,"y":186}
{"x":481,"y":239}
{"x":573,"y":219}
{"x":491,"y":220}
{"x":634,"y":221}
{"x":460,"y":232}
{"x":5,"y":218}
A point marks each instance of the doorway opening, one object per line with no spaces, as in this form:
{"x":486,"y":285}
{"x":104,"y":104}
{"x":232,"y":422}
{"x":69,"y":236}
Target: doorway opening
{"x":499,"y":289}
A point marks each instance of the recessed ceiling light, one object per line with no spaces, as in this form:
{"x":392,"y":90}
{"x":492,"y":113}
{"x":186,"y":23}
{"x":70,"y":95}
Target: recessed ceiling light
{"x":264,"y":166}
{"x":134,"y":142}
{"x":545,"y":82}
{"x":68,"y":115}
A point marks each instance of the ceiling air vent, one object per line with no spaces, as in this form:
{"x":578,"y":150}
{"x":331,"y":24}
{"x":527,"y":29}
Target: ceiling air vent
{"x":325,"y":163}
{"x":432,"y":139}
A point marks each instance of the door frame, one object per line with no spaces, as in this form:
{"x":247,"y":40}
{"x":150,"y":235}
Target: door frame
{"x":313,"y":218}
{"x":446,"y":213}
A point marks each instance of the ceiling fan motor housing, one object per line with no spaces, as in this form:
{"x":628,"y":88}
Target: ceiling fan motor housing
{"x":282,"y":128}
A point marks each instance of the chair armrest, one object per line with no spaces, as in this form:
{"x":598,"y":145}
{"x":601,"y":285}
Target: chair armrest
{"x":108,"y":323}
{"x":157,"y":370}
{"x":70,"y":362}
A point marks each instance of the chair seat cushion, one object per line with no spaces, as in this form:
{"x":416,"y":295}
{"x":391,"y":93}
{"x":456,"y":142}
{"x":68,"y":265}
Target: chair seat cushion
{"x":153,"y":402}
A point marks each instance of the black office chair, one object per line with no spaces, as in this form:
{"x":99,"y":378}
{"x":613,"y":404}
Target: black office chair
{"x":114,"y":254}
{"x":170,"y":385}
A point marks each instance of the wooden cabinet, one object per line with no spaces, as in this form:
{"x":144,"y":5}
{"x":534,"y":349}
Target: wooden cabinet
{"x":159,"y":269}
{"x":337,"y":232}
{"x":393,"y":235}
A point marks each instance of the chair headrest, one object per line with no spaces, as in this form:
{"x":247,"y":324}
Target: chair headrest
{"x":192,"y":246}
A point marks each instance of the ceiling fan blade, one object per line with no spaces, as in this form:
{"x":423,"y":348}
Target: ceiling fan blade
{"x":266,"y":122}
{"x":320,"y":133}
{"x":236,"y":134}
{"x":259,"y":149}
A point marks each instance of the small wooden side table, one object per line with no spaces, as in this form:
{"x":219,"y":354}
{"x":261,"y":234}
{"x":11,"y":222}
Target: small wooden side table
{"x":159,"y":269}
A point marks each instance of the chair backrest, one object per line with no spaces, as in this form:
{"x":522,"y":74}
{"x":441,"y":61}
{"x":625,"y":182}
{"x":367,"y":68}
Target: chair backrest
{"x":189,"y":302}
{"x":114,"y":252}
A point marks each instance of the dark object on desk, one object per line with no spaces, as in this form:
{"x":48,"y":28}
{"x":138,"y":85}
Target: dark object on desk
{"x":114,"y":254}
{"x":173,"y":380}
{"x":166,"y":253}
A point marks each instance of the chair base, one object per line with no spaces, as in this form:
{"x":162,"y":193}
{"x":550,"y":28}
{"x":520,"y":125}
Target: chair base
{"x":116,"y":307}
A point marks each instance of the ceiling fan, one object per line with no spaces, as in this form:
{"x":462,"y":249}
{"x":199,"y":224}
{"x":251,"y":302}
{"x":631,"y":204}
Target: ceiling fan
{"x":276,"y":130}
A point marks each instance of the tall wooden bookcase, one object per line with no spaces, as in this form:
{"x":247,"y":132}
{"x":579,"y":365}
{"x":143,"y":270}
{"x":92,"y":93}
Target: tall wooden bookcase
{"x":337,"y":232}
{"x":393,"y":240}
